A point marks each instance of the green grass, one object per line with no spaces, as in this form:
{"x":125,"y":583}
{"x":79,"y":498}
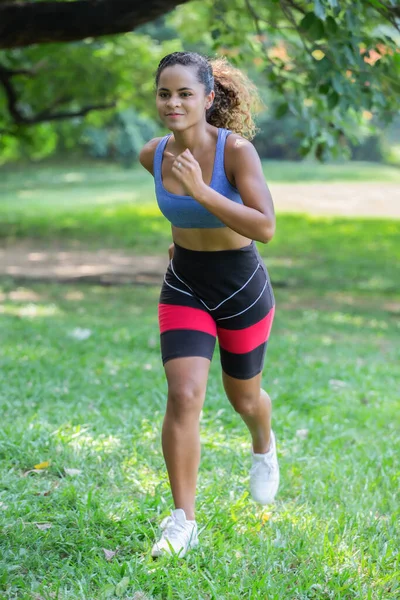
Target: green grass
{"x":80,"y":201}
{"x":91,"y":209}
{"x":75,"y":175}
{"x":96,"y":405}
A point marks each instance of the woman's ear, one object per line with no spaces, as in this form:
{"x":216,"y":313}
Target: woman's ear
{"x":210,"y":99}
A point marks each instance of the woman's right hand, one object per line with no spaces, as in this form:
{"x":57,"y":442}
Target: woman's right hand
{"x":171,"y":251}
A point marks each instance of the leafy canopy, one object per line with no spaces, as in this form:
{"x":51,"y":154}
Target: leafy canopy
{"x":333,"y":64}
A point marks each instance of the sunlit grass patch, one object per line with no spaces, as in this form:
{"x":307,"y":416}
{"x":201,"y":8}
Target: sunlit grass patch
{"x":92,"y":407}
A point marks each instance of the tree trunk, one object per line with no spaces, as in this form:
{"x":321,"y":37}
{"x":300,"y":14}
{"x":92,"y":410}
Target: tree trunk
{"x":25,"y":23}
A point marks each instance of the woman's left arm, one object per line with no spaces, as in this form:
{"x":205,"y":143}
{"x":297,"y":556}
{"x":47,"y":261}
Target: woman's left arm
{"x":254,"y":219}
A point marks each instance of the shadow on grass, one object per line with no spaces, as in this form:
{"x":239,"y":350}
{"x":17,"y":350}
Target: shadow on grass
{"x":329,"y":253}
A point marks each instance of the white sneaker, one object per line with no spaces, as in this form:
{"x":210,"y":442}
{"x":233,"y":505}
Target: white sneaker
{"x":179,"y":535}
{"x":264,"y":475}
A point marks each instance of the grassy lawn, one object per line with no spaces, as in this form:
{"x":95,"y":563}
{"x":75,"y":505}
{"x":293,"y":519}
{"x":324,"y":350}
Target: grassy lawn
{"x":95,"y":405}
{"x":90,"y":203}
{"x":82,"y":396}
{"x":107,"y":207}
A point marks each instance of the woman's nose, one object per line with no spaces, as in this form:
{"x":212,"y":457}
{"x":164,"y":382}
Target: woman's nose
{"x":174,"y":101}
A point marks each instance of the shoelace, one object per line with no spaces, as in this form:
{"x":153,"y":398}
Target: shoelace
{"x":172,"y":528}
{"x":262,"y":465}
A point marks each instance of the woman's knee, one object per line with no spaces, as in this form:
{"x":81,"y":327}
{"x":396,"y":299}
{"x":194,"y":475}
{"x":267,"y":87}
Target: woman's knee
{"x":245,"y":395}
{"x":248,"y":403}
{"x":185,"y":401}
{"x":245,"y":404}
{"x":187,"y":382}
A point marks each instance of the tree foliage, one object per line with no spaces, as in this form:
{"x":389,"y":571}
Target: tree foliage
{"x":113,"y":71}
{"x":332,"y":64}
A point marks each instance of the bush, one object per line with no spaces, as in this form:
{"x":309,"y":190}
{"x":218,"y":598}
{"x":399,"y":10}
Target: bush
{"x":122,"y":138}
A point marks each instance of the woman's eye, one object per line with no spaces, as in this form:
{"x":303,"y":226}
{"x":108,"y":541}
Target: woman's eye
{"x":165,"y":95}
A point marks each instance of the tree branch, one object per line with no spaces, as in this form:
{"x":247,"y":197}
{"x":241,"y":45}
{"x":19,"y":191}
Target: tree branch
{"x":46,"y":115}
{"x":390,"y":13}
{"x":257,"y":19}
{"x":24,"y":23}
{"x":294,"y":5}
{"x":81,"y":112}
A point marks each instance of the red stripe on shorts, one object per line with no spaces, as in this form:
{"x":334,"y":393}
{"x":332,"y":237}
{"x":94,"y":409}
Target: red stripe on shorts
{"x":172,"y":316}
{"x":240,"y":341}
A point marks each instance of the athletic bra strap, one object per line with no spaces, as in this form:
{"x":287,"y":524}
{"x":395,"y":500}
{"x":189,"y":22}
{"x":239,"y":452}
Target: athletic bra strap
{"x":219,"y":166}
{"x":158,"y":156}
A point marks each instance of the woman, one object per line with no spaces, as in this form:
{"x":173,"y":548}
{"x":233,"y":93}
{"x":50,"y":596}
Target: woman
{"x":210,"y":186}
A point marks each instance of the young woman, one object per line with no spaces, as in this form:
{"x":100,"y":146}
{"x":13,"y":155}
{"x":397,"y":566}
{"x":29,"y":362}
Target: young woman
{"x":210,"y":186}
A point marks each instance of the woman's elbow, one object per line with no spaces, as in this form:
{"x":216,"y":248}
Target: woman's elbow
{"x":267,"y":233}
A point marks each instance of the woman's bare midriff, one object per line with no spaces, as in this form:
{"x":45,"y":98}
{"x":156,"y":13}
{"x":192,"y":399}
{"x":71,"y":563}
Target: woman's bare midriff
{"x":205,"y":240}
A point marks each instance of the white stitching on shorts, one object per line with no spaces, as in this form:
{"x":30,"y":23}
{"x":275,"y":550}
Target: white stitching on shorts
{"x":181,"y":280}
{"x":246,"y":309}
{"x":237,"y":291}
{"x":175,"y":288}
{"x":223,"y":301}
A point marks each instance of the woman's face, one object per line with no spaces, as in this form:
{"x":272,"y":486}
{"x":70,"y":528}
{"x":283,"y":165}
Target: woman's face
{"x":181,"y":99}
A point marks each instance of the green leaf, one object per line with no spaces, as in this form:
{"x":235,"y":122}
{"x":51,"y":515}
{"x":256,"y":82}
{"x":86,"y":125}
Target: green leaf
{"x":317,"y":31}
{"x":376,"y":3}
{"x":281,"y":110}
{"x":337,"y":83}
{"x":324,"y":88}
{"x":314,"y":127}
{"x":319,"y":9}
{"x":348,"y":53}
{"x":331,"y":26}
{"x":379,"y":98}
{"x":333,"y":99}
{"x":330,"y":139}
{"x":107,"y":591}
{"x":312,"y":26}
{"x":308,"y":21}
{"x":320,"y":151}
{"x":122,"y":586}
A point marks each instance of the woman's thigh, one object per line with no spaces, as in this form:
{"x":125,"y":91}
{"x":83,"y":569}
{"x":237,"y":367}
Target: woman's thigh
{"x":187,"y":383}
{"x":242,"y":393}
{"x":244,"y":318}
{"x":243,"y":335}
{"x":186,"y":327}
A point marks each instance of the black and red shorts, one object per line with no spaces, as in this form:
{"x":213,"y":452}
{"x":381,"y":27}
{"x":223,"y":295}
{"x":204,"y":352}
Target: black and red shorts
{"x":224,"y":293}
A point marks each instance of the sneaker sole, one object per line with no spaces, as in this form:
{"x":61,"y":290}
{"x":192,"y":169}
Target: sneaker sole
{"x":158,"y":552}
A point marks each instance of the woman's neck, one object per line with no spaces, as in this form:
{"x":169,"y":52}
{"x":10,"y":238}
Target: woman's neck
{"x":193,"y":138}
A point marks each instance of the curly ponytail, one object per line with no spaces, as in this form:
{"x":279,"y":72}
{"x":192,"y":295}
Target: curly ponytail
{"x":236,"y":100}
{"x":236,"y":97}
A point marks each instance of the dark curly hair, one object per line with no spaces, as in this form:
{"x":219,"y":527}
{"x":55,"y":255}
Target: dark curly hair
{"x":236,"y":97}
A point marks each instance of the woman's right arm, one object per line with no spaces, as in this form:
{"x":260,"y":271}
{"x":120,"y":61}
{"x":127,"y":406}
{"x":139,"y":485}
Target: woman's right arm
{"x":146,"y":158}
{"x":146,"y":155}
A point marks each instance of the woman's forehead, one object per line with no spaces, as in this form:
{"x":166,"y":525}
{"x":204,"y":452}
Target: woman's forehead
{"x":178,"y":76}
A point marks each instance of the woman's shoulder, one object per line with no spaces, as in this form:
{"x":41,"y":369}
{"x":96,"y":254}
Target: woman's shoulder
{"x":237,"y":143}
{"x":238,"y":148}
{"x":146,"y":155}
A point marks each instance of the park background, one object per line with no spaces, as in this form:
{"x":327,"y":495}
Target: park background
{"x":83,"y":248}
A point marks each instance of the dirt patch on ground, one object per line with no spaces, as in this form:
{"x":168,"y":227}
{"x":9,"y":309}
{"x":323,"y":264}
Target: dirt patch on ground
{"x":106,"y":267}
{"x":27,"y":261}
{"x":339,"y":199}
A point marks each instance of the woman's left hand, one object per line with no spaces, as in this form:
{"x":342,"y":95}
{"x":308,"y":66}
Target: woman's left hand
{"x":188,"y":171}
